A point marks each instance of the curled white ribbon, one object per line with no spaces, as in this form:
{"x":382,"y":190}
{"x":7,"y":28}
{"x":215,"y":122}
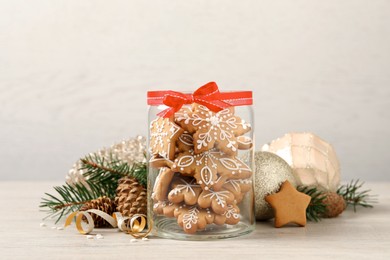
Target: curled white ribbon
{"x":134,"y":225}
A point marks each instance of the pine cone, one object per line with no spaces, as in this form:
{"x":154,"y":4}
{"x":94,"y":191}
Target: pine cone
{"x":104,"y":204}
{"x":335,"y":204}
{"x":131,"y":197}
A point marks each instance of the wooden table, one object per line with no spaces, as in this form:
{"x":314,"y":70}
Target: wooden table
{"x":364,"y":235}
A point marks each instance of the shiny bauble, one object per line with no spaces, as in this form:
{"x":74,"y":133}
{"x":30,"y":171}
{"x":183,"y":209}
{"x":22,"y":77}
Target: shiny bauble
{"x":270,"y":172}
{"x":313,"y":160}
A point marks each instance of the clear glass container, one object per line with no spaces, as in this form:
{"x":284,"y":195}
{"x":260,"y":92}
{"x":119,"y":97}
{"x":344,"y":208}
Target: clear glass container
{"x":200,"y":172}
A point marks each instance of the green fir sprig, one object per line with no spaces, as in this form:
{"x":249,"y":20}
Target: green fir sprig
{"x":101,"y":179}
{"x":354,"y":195}
{"x":351,"y":192}
{"x":316,"y":208}
{"x":69,"y":198}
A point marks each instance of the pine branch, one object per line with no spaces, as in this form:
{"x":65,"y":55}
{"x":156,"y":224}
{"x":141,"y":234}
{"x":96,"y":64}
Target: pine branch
{"x":139,"y":172}
{"x":101,"y":179}
{"x":101,"y":171}
{"x":316,"y":208}
{"x":93,"y":165}
{"x":70,"y":198}
{"x":354,"y":196}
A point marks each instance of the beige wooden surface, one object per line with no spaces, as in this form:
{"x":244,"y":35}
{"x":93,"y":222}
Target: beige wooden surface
{"x":365,"y":235}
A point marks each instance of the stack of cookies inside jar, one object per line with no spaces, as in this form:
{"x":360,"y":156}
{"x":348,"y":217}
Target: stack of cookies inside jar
{"x":201,"y":182}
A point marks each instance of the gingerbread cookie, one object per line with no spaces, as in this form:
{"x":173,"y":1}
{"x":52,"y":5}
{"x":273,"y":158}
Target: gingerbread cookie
{"x":244,"y":142}
{"x":239,"y":187}
{"x":158,"y":162}
{"x":234,"y":188}
{"x":192,"y":219}
{"x":210,"y":168}
{"x":159,"y":206}
{"x":216,"y":200}
{"x":184,"y":190}
{"x":185,"y":142}
{"x":289,"y":205}
{"x":243,"y":185}
{"x":182,"y":117}
{"x":163,"y":136}
{"x":170,"y":209}
{"x":231,"y":216}
{"x":162,"y":183}
{"x":213,"y":129}
{"x":166,"y":208}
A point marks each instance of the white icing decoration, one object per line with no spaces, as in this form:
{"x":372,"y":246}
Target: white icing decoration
{"x":187,"y":139}
{"x":162,"y":130}
{"x":190,"y":218}
{"x":220,"y":196}
{"x":235,"y":185}
{"x":212,"y":163}
{"x":206,"y":175}
{"x":209,"y":124}
{"x":231,"y":212}
{"x":230,"y":164}
{"x":185,"y":161}
{"x":188,"y":187}
{"x":245,"y":140}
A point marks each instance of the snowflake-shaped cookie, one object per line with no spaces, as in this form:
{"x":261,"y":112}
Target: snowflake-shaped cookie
{"x":184,"y":190}
{"x":239,"y":187}
{"x":211,"y":168}
{"x":163,"y":136}
{"x":193,"y":218}
{"x":216,"y":200}
{"x":231,"y":216}
{"x":213,"y":129}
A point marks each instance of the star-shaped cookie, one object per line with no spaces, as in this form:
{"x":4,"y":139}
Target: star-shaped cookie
{"x":211,"y":129}
{"x":289,"y":205}
{"x":163,"y":136}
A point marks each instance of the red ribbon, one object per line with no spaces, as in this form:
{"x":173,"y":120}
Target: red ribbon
{"x":207,"y":95}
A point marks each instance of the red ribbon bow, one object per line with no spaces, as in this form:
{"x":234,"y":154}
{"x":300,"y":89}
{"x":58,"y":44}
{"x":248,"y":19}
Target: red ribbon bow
{"x":207,"y":95}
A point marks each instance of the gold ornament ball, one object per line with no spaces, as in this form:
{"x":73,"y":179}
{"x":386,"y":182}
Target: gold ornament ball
{"x":270,"y":172}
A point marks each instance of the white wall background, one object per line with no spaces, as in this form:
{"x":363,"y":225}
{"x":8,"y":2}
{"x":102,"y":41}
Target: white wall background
{"x":74,"y":74}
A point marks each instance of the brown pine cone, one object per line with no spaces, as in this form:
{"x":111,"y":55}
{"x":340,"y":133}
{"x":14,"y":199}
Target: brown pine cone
{"x":131,"y":197}
{"x":104,"y":204}
{"x":335,"y":204}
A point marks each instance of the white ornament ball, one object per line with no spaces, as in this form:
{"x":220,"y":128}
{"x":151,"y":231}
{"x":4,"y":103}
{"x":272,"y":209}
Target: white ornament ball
{"x":313,"y":160}
{"x":270,"y":172}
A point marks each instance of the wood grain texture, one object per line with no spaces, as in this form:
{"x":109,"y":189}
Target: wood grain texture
{"x":74,"y":74}
{"x":365,"y":235}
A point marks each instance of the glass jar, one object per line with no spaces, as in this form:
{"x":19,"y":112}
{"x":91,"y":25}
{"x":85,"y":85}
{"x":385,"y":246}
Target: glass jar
{"x":200,"y":165}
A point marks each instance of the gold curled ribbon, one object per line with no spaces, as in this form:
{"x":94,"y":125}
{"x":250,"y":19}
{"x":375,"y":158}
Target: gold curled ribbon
{"x":134,"y":226}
